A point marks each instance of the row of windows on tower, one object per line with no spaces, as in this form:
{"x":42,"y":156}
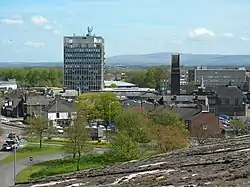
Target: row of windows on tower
{"x":71,"y":50}
{"x":83,"y":60}
{"x":83,"y":55}
{"x":83,"y":66}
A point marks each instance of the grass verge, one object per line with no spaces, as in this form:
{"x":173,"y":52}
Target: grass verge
{"x":94,"y":144}
{"x":61,"y":166}
{"x":67,"y":165}
{"x":32,"y":150}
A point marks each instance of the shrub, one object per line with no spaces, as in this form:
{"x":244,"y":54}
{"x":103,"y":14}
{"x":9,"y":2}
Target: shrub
{"x":169,"y":138}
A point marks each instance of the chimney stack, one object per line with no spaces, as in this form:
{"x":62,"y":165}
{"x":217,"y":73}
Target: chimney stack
{"x":175,"y":74}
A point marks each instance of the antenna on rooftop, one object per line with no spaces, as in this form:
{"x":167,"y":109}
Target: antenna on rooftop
{"x":90,"y":29}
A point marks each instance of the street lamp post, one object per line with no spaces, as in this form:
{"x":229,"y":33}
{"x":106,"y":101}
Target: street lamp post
{"x":56,"y":112}
{"x":15,"y":164}
{"x":110,"y":104}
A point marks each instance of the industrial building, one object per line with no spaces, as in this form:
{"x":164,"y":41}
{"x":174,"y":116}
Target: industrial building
{"x":84,"y":62}
{"x":218,"y":77}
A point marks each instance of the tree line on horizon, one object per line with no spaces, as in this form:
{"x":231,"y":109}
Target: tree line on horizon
{"x":31,"y":77}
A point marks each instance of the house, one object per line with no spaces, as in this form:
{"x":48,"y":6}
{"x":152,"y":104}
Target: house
{"x":60,"y":111}
{"x":21,"y":103}
{"x":227,"y":100}
{"x":12,"y":104}
{"x":187,"y":101}
{"x":198,"y":121}
{"x":35,"y":103}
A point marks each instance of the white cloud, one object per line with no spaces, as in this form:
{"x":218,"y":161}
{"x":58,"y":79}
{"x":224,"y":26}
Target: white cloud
{"x":39,"y":20}
{"x":45,"y":23}
{"x":34,"y":44}
{"x":11,"y":21}
{"x":201,"y":32}
{"x":245,"y":38}
{"x":228,"y":35}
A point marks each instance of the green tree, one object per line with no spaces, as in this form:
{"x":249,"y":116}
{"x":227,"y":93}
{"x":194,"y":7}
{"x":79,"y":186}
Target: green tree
{"x":150,"y":78}
{"x":135,"y":124}
{"x":113,"y":85}
{"x":129,"y":142}
{"x":34,"y":76}
{"x":239,"y":126}
{"x":88,"y":102}
{"x":109,"y":105}
{"x":77,"y":135}
{"x":37,"y":127}
{"x":167,"y":124}
{"x":168,"y":117}
{"x":123,"y":148}
{"x":100,"y":105}
{"x":136,"y":77}
{"x":168,"y":138}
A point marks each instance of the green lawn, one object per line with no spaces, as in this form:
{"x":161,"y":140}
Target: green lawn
{"x":61,"y":166}
{"x":95,"y":144}
{"x":32,"y":150}
{"x":67,"y":165}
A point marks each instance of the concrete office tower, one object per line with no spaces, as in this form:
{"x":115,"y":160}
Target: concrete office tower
{"x":84,"y":62}
{"x":175,"y":74}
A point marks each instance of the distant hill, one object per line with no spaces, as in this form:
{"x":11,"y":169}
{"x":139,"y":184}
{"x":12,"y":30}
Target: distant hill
{"x":154,"y":59}
{"x":186,"y":59}
{"x":30,"y":64}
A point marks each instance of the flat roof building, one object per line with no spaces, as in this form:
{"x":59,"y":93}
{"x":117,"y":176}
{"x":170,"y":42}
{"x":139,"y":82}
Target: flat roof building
{"x":84,"y":62}
{"x":119,"y":84}
{"x":218,"y":77}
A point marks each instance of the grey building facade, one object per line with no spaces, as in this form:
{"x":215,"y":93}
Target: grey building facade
{"x":84,"y":62}
{"x":218,"y":77}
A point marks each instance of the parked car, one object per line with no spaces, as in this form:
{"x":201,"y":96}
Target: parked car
{"x":7,"y":147}
{"x":10,"y":145}
{"x":12,"y":135}
{"x":4,"y":120}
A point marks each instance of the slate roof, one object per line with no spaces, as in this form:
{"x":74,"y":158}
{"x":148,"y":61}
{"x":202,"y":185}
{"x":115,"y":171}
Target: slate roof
{"x":38,"y":100}
{"x":229,"y":91}
{"x":61,"y":106}
{"x":15,"y":96}
{"x":138,"y":94}
{"x":188,"y":113}
{"x":183,"y":98}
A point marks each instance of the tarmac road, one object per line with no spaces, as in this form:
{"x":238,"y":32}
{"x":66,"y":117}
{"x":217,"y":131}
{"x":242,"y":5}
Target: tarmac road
{"x":7,"y":129}
{"x":7,"y":170}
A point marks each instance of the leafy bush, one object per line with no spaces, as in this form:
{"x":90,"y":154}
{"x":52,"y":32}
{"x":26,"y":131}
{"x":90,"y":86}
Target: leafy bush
{"x":169,"y":138}
{"x":124,"y":148}
{"x":134,"y":124}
